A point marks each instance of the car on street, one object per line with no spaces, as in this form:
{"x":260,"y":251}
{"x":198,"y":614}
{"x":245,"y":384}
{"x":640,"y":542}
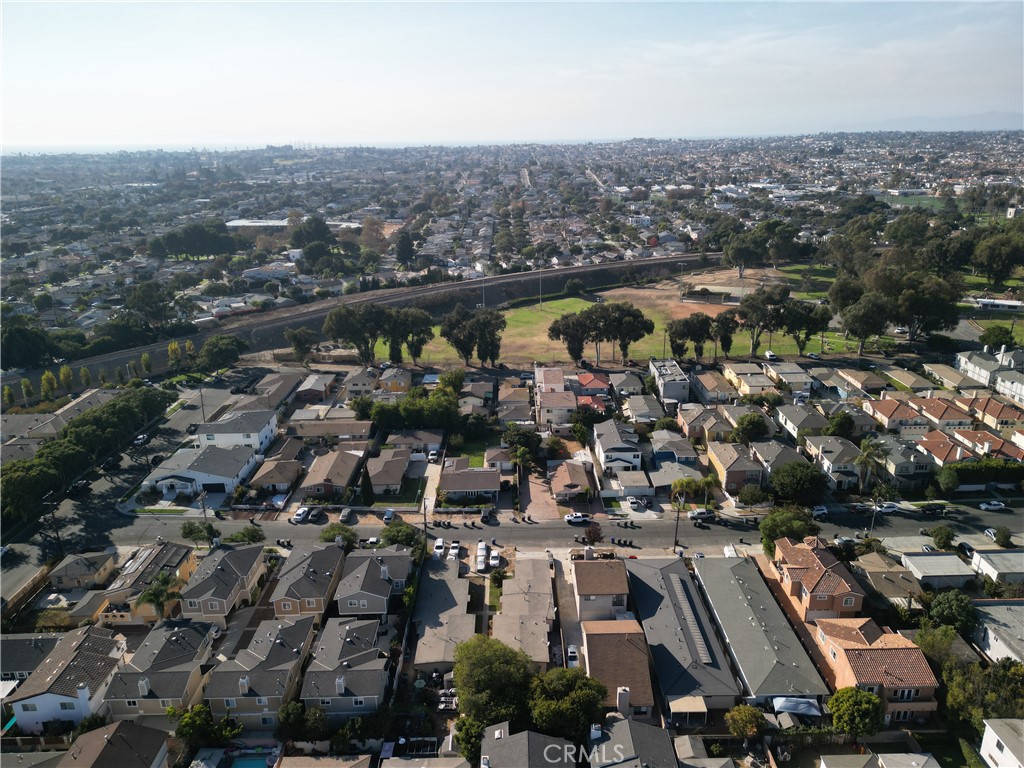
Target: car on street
{"x":389,"y":515}
{"x":432,"y":457}
{"x":698,"y":555}
{"x":814,"y":356}
{"x":114,"y":462}
{"x":991,"y":533}
{"x":860,"y":509}
{"x":192,"y":429}
{"x":843,"y":540}
{"x":700,"y":514}
{"x":770,"y":356}
{"x":888,"y":508}
{"x":495,"y":559}
{"x":575,"y":518}
{"x":526,"y":377}
{"x":141,"y":440}
{"x":991,"y":506}
{"x":632,"y":501}
{"x":819,"y":511}
{"x":455,"y":550}
{"x":300,"y":515}
{"x":572,"y":657}
{"x":438,"y":547}
{"x":901,"y":330}
{"x":315,"y":514}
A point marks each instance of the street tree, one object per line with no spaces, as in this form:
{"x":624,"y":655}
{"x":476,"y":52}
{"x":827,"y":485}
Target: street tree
{"x":870,"y":461}
{"x":332,"y":531}
{"x":857,"y":712}
{"x":47,"y":385}
{"x":800,"y":482}
{"x":868,"y":317}
{"x":943,"y":536}
{"x":220,"y":351}
{"x":564,"y":702}
{"x":995,"y":336}
{"x":593,"y":534}
{"x":84,"y":377}
{"x":67,"y":377}
{"x":196,"y":531}
{"x":792,"y":522}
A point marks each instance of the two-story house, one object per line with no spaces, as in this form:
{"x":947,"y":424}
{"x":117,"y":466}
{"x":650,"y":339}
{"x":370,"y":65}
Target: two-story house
{"x":252,"y":429}
{"x":225,"y":580}
{"x":993,"y":413}
{"x":734,"y":466}
{"x":712,"y":388}
{"x":348,"y":674}
{"x":942,"y":414}
{"x":360,"y":383}
{"x":307,"y":580}
{"x":554,"y":409}
{"x":253,"y":686}
{"x":979,"y":366}
{"x":670,"y":380}
{"x":395,"y":380}
{"x":178,"y":561}
{"x":370,"y":579}
{"x":902,"y":466}
{"x":896,"y":416}
{"x":170,"y":669}
{"x":835,"y":456}
{"x":861,"y":654}
{"x":70,"y":683}
{"x":602,"y":588}
{"x":798,"y":421}
{"x":616,"y":446}
{"x":815,"y":582}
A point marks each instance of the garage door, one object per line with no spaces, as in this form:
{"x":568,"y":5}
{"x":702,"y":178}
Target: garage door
{"x":215,"y":487}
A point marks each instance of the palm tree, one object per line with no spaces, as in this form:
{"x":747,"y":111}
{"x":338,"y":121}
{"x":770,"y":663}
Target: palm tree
{"x":870,"y":461}
{"x":161,"y":591}
{"x":521,"y":458}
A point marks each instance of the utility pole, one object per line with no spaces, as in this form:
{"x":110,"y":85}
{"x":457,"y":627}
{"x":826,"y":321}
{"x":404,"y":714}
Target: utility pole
{"x":679,"y":507}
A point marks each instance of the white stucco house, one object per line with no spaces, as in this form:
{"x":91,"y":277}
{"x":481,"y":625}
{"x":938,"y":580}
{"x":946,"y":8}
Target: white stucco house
{"x":213,"y":469}
{"x":252,"y":429}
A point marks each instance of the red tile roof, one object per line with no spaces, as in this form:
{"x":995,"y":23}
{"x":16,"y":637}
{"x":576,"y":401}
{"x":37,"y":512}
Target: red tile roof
{"x":877,"y":656}
{"x":811,"y":564}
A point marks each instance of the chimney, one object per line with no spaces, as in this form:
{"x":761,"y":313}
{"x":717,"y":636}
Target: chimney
{"x":588,"y":553}
{"x":959,"y":453}
{"x":622,"y":700}
{"x":1002,"y":350}
{"x":987,"y":447}
{"x":339,"y":684}
{"x":384,"y":571}
{"x":143,"y":686}
{"x":986,"y":350}
{"x":243,"y":684}
{"x":82,"y":691}
{"x":595,"y":732}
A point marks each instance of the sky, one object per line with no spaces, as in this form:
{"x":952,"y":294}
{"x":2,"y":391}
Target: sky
{"x":245,"y":74}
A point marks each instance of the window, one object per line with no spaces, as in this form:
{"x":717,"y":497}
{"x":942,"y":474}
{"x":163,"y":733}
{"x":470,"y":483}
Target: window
{"x":821,"y":636}
{"x":310,"y":603}
{"x":832,"y":653}
{"x":286,"y":605}
{"x":362,"y":603}
{"x":165,"y":703}
{"x":821,"y":597}
{"x":901,"y":716}
{"x":209,"y":437}
{"x":262,"y":701}
{"x":357,"y":702}
{"x":229,"y":703}
{"x":804,"y":593}
{"x":353,"y":603}
{"x":267,"y":720}
{"x":905,"y":694}
{"x":67,"y":705}
{"x":28,"y":707}
{"x":618,"y":599}
{"x":214,"y":605}
{"x":247,"y":436}
{"x":23,"y":675}
{"x":325,"y":702}
{"x":131,"y":703}
{"x":590,"y":597}
{"x":192,"y":603}
{"x":848,"y":601}
{"x":999,"y":745}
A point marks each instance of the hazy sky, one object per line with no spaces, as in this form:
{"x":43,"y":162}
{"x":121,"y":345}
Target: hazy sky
{"x":248,"y":74}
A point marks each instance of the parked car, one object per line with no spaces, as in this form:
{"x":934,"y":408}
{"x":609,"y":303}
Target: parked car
{"x":888,"y":508}
{"x":814,"y":356}
{"x":526,"y":377}
{"x":770,"y":356}
{"x":315,"y":514}
{"x":192,"y":429}
{"x":438,"y":547}
{"x":157,"y":460}
{"x":432,"y":457}
{"x":991,"y":506}
{"x":819,"y":511}
{"x":575,"y":518}
{"x":495,"y":558}
{"x":701,"y":514}
{"x":300,"y":515}
{"x":215,"y":632}
{"x":455,"y":550}
{"x":632,"y":502}
{"x":389,"y":515}
{"x":860,"y":509}
{"x":141,"y":440}
{"x":114,"y":462}
{"x":927,"y":548}
{"x":572,"y":657}
{"x":991,"y":533}
{"x":843,"y":540}
{"x":965,"y":549}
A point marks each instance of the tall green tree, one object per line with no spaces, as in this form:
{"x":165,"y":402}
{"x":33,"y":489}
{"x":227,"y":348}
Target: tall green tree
{"x":696,"y":328}
{"x":457,"y":331}
{"x":868,"y":317}
{"x":360,"y":325}
{"x":493,"y":681}
{"x":723,"y":328}
{"x":47,"y":385}
{"x":749,"y":427}
{"x":85,"y":377}
{"x":197,"y":728}
{"x":791,"y":522}
{"x":625,"y":324}
{"x":8,"y":396}
{"x":870,"y":461}
{"x":564,"y":702}
{"x":405,"y":253}
{"x":800,"y":482}
{"x":997,"y":255}
{"x":161,"y":592}
{"x":840,"y":424}
{"x":745,"y":721}
{"x":995,"y":336}
{"x":67,"y":377}
{"x":147,"y":362}
{"x":419,"y":327}
{"x":487,"y":325}
{"x":857,"y":712}
{"x":220,"y":351}
{"x":573,"y":329}
{"x":302,"y":340}
{"x":955,"y":609}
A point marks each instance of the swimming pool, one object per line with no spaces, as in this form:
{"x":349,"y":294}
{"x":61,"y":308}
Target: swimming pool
{"x":249,"y":761}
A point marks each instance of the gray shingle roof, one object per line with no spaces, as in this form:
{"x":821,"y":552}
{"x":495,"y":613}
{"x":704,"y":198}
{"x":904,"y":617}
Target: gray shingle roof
{"x":167,"y":658}
{"x":24,"y":652}
{"x":220,"y":572}
{"x":526,"y":749}
{"x":764,"y":646}
{"x":86,"y":655}
{"x":277,"y":647}
{"x":350,"y":648}
{"x":238,"y":422}
{"x":308,"y":572}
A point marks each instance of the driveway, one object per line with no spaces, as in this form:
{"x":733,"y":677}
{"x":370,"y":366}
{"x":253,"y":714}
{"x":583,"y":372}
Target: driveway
{"x":535,"y":499}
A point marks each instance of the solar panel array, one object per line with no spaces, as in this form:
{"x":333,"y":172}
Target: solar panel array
{"x":690,"y":619}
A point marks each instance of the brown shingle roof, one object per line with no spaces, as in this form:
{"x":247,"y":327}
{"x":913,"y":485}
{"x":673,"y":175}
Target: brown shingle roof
{"x":618,"y":656}
{"x":601,"y":577}
{"x":86,"y":655}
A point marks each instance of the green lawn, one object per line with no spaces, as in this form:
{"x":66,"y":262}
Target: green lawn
{"x":474,"y":449}
{"x":944,"y":747}
{"x":1018,"y":328}
{"x":809,"y":281}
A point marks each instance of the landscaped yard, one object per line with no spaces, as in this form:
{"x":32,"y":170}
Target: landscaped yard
{"x":475,"y":449}
{"x":943,"y":746}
